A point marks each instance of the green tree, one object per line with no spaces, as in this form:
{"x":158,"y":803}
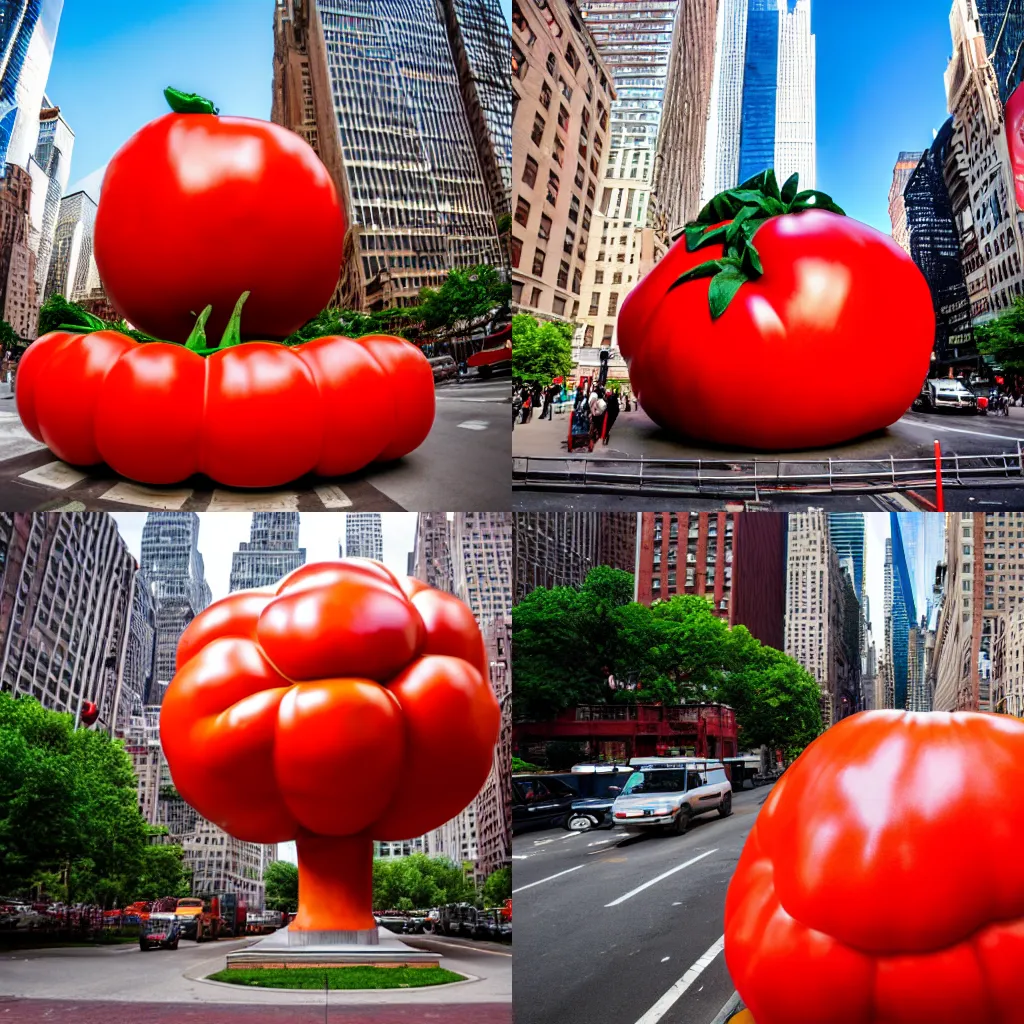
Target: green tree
{"x":497,"y":887}
{"x":1003,"y":338}
{"x":68,"y":807}
{"x":8,"y":337}
{"x":418,"y":880}
{"x":466,"y":296}
{"x":281,"y":879}
{"x":162,"y":872}
{"x":540,"y":351}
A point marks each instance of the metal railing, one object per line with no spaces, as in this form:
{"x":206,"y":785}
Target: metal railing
{"x":753,"y":477}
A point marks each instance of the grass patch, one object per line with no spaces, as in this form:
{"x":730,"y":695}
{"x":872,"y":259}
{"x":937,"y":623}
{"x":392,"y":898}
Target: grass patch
{"x":338,"y":977}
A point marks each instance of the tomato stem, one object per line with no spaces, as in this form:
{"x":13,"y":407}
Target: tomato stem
{"x":197,"y":339}
{"x":188,"y":102}
{"x":233,"y":331}
{"x":731,"y":219}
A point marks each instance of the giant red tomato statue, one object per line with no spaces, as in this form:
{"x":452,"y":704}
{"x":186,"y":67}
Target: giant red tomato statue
{"x":778,"y":323}
{"x":247,"y":415}
{"x":1015,"y":141}
{"x":853,"y":901}
{"x":196,"y":209}
{"x":342,"y":705}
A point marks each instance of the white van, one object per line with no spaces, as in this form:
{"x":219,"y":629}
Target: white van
{"x":666,"y":793}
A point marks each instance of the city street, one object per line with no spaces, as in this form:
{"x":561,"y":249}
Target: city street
{"x":89,"y":985}
{"x":463,"y":464}
{"x":607,"y":925}
{"x":635,"y":436}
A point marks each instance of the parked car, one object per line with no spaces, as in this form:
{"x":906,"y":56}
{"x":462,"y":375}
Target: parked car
{"x":666,"y":793}
{"x":444,"y":367}
{"x":539,"y":801}
{"x":946,"y":393}
{"x":160,"y":930}
{"x":598,"y":786}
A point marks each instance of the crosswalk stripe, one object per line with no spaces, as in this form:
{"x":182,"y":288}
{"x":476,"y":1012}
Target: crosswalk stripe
{"x":267,"y":501}
{"x":58,"y":475}
{"x":129,"y":493}
{"x":333,"y":496}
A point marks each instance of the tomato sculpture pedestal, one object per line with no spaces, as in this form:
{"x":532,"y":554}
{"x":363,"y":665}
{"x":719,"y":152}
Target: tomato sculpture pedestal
{"x":314,"y":710}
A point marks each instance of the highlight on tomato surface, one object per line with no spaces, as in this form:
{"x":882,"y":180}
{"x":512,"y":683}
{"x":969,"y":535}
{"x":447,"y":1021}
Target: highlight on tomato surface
{"x":742,"y":332}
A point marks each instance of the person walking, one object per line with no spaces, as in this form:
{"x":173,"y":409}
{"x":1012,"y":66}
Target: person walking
{"x":549,"y":397}
{"x":598,"y":408}
{"x":527,"y":406}
{"x":612,"y":401}
{"x":517,"y":406}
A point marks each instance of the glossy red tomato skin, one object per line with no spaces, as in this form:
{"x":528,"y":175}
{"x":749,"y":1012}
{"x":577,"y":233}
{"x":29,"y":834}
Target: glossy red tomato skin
{"x":296,"y":738}
{"x":67,"y":399}
{"x":775,"y":371}
{"x":252,"y":391}
{"x":196,"y":208}
{"x":251,"y":415}
{"x":151,"y":401}
{"x":849,"y":882}
{"x":352,"y":438}
{"x":411,"y":398}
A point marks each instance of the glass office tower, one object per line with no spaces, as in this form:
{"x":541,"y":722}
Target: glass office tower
{"x":846,"y":531}
{"x":28,"y":32}
{"x":902,"y":611}
{"x":760,"y":89}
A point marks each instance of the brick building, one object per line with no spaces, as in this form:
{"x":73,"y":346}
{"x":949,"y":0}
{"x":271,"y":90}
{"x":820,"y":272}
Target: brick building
{"x":19,"y":297}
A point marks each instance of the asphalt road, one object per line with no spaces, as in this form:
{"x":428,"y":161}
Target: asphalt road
{"x":592,"y":944}
{"x":464,"y":464}
{"x":117,"y":984}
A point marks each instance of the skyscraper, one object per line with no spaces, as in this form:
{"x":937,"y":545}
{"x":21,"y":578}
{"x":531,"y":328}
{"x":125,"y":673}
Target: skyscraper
{"x":53,"y":160}
{"x":846,"y":530}
{"x":363,"y":537}
{"x":481,"y":558}
{"x":935,"y":246}
{"x":635,"y":41}
{"x":763,"y":95}
{"x":173,"y":570}
{"x":431,"y":557}
{"x":72,"y":247}
{"x":272,"y":551}
{"x":902,"y":611}
{"x":66,"y":581}
{"x":924,"y":540}
{"x":28,"y":32}
{"x":394,"y":134}
{"x":906,"y":164}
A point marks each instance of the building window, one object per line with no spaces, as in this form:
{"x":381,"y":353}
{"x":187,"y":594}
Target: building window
{"x":545,"y":95}
{"x":538,"y":262}
{"x":595,"y":299}
{"x":535,"y":301}
{"x":552,"y":63}
{"x":518,"y":62}
{"x":553,"y":186}
{"x":530,"y":172}
{"x":606,"y":338}
{"x":577,"y":281}
{"x":544,"y":231}
{"x":517,"y":250}
{"x":613,"y":303}
{"x":598,"y":277}
{"x":538,"y":129}
{"x":563,"y":118}
{"x":522,"y":212}
{"x":571,"y":59}
{"x":563,"y":275}
{"x":558,"y":306}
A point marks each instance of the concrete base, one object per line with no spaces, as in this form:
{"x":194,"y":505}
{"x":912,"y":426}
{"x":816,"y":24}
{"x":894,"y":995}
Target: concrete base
{"x":331,"y":949}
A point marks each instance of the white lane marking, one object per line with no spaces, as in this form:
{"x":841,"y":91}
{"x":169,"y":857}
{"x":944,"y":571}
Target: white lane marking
{"x":960,"y":430}
{"x":550,"y":878}
{"x":333,"y":496}
{"x":520,"y":856}
{"x":599,"y":842}
{"x":58,"y":475}
{"x":665,"y":959}
{"x":135,"y":494}
{"x":475,"y":424}
{"x":671,"y":997}
{"x":661,"y":877}
{"x":266,"y":501}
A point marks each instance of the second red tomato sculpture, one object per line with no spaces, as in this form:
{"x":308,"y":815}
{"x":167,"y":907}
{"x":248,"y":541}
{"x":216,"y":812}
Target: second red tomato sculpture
{"x":778,"y":323}
{"x":340,"y":706}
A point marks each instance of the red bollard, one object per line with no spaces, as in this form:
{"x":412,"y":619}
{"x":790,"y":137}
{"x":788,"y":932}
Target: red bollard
{"x":939,"y":506}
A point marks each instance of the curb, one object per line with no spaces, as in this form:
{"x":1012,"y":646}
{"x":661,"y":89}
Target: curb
{"x":467,"y":979}
{"x":734,"y":1004}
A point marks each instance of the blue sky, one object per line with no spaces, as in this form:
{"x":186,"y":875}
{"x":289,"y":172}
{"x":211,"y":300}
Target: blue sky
{"x":879,"y":91}
{"x":879,"y":79}
{"x":109,"y":71}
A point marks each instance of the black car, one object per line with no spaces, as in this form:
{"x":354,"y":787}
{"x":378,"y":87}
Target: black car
{"x":161,"y":930}
{"x":540,"y":801}
{"x":598,"y":786}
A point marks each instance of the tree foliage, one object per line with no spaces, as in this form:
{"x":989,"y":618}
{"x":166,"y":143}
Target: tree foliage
{"x":281,"y":882}
{"x":8,"y":337}
{"x":540,"y":351}
{"x":1003,"y":338}
{"x":567,"y":641}
{"x":69,"y":815}
{"x":497,"y":888}
{"x":418,"y":883}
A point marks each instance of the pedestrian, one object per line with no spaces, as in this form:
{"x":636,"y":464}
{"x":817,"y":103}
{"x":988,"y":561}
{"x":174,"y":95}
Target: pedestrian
{"x":627,"y":402}
{"x":579,"y":397}
{"x":612,"y":401}
{"x":517,"y":406}
{"x":527,"y":407}
{"x":598,"y":408}
{"x":549,"y":397}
